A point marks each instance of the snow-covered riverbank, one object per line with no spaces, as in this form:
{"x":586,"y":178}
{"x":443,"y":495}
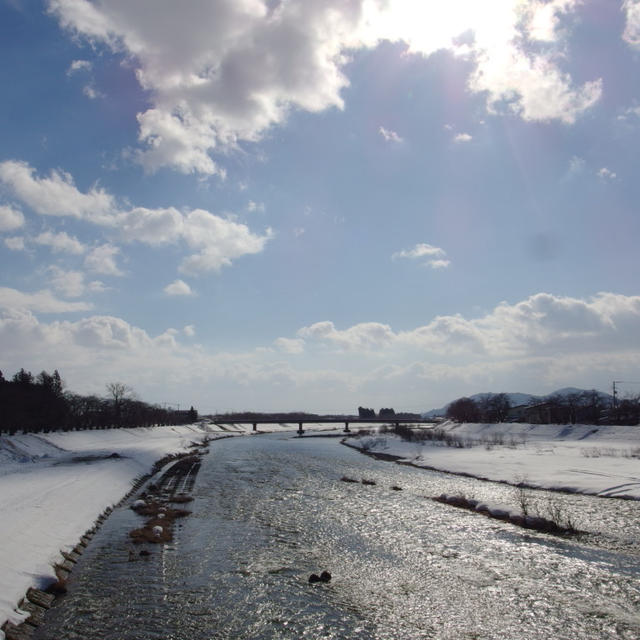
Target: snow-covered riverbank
{"x":53,"y":487}
{"x":603,"y":461}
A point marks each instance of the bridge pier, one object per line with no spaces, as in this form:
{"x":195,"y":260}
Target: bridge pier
{"x":255,"y":426}
{"x":346,"y":427}
{"x":300,"y":429}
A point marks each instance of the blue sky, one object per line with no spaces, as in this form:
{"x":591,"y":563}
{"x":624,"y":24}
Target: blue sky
{"x":319,"y":205}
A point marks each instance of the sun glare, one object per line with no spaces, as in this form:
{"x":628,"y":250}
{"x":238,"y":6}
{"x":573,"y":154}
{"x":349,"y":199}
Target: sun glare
{"x":429,"y":26}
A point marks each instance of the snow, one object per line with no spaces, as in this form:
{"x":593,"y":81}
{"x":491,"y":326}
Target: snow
{"x":598,"y":460}
{"x":53,"y":487}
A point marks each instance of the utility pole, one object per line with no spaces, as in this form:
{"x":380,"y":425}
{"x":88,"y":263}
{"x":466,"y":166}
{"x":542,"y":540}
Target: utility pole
{"x":615,"y":391}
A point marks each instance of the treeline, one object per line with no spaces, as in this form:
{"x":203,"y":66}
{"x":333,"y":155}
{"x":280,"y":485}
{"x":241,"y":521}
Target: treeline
{"x":587,"y":407}
{"x":491,"y":408}
{"x":40,"y":403}
{"x":386,"y":413}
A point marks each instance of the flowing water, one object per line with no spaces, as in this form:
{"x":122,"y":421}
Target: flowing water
{"x":271,"y":510}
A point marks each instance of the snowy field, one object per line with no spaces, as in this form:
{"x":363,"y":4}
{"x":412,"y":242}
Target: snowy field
{"x":603,"y":461}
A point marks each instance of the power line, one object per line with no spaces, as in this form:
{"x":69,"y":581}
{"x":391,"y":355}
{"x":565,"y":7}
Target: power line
{"x":615,"y":392}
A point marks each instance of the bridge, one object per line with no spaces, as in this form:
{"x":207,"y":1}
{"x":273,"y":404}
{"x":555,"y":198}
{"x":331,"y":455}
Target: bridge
{"x":344,"y":420}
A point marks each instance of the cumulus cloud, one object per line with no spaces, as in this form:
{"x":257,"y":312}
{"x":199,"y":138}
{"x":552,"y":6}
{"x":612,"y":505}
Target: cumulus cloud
{"x":72,"y":284}
{"x":216,"y":241}
{"x":435,"y":256}
{"x":10,"y":218}
{"x":56,"y":195}
{"x":364,"y":336}
{"x":15,"y":244}
{"x":606,"y":174}
{"x":79,"y":65}
{"x":189,"y":330}
{"x":231,"y":70}
{"x":543,"y":17}
{"x":90,"y":91}
{"x":389,"y":136}
{"x":178,"y":288}
{"x":60,"y":242}
{"x":541,"y":325}
{"x":102,"y":260}
{"x":40,"y":301}
{"x":631,"y":34}
{"x":290,"y":345}
{"x":255,"y":206}
{"x":462,"y":137}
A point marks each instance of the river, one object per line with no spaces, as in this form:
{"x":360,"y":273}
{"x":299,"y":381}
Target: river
{"x":270,"y":510}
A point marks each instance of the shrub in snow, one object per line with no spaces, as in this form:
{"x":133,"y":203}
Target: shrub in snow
{"x":157,"y":531}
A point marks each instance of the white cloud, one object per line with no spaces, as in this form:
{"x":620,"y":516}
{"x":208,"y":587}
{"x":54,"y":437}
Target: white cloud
{"x":631,"y":34}
{"x":420,"y":251}
{"x":178,"y":288}
{"x":436,"y":256}
{"x":90,"y":91}
{"x":630,"y":113}
{"x":544,"y":17}
{"x":10,"y":218}
{"x":290,"y":345}
{"x":389,"y":136}
{"x":70,"y":284}
{"x":79,"y":65}
{"x":60,"y":242}
{"x":231,"y":70}
{"x":363,"y":336}
{"x":576,"y":165}
{"x":217,"y":240}
{"x":56,"y":195}
{"x":462,"y":137}
{"x":438,"y":264}
{"x":606,"y":174}
{"x":255,"y":206}
{"x":189,"y":330}
{"x":543,"y":325}
{"x":102,"y":260}
{"x":15,"y":244}
{"x":40,"y":301}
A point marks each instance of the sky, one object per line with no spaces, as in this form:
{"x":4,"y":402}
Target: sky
{"x":320,"y":204}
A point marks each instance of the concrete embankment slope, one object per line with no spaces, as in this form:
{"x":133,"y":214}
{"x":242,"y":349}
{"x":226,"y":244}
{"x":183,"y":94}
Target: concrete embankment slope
{"x":54,"y":486}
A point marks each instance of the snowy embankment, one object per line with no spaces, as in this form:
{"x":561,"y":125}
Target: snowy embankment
{"x":53,"y":487}
{"x":598,"y":460}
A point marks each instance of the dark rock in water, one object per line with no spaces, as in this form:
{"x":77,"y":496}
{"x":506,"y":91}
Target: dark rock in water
{"x":144,"y":552}
{"x":325,"y":576}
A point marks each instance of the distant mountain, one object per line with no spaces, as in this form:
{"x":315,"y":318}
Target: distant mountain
{"x":516,"y":399}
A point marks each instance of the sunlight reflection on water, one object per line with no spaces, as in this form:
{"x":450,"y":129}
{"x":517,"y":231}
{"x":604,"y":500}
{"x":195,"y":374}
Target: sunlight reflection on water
{"x":269,"y":511}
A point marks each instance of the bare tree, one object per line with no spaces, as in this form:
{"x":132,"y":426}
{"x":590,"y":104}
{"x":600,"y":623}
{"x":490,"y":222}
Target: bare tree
{"x":119,"y":392}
